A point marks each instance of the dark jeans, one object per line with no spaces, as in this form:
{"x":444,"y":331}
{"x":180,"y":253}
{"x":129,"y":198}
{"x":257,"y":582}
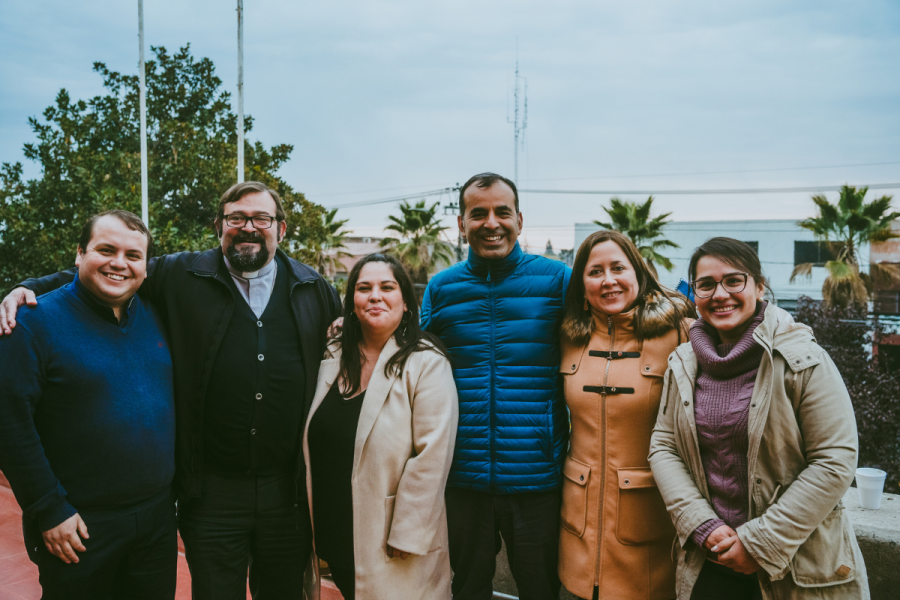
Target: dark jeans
{"x":528,"y":523}
{"x":130,"y":557}
{"x":246,"y":521}
{"x":718,"y":581}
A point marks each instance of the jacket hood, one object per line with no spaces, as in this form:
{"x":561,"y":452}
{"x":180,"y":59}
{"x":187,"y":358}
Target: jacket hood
{"x":654,"y":317}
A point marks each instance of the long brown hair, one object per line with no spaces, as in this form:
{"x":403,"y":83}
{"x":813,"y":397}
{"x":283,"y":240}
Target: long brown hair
{"x":659,"y":309}
{"x":409,"y":336}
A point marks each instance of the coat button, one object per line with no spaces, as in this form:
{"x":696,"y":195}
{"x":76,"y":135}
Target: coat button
{"x":758,"y":481}
{"x":261,"y":357}
{"x":627,"y":482}
{"x":259,"y":323}
{"x":647,"y":368}
{"x":252,"y":432}
{"x":581,"y":478}
{"x":259,"y":396}
{"x":573,"y":367}
{"x":686,"y":403}
{"x":613,"y":389}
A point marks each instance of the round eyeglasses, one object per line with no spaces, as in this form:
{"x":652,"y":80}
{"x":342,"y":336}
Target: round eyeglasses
{"x":239,"y":220}
{"x":733,"y":283}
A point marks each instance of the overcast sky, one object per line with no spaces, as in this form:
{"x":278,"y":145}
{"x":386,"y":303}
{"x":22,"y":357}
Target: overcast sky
{"x":387,"y":98}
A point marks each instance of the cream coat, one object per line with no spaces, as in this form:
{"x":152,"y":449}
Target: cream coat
{"x":802,"y":458}
{"x":404,"y":445}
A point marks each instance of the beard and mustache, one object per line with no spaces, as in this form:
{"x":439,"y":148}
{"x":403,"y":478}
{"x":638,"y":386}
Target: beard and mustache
{"x":247,"y":260}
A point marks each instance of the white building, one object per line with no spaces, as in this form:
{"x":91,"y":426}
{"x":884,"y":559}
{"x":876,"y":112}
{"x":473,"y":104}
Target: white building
{"x":780,"y":244}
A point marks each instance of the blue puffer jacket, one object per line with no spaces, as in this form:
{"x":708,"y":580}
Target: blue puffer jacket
{"x":500,"y":321}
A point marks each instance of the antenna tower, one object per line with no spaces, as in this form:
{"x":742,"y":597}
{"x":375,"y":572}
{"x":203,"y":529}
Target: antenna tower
{"x":519,"y":124}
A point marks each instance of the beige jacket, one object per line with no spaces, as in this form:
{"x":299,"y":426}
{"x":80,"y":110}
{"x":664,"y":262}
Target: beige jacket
{"x":615,"y":532}
{"x":404,"y":445}
{"x":802,"y":458}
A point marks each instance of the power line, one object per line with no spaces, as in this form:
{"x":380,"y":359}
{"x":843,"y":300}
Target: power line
{"x":820,"y":188}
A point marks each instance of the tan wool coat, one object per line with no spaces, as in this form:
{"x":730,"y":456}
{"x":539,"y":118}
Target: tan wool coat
{"x":615,"y":531}
{"x":404,"y":445}
{"x":801,"y":459}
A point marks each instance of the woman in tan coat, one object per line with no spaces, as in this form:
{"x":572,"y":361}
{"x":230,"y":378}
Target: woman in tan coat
{"x":620,"y":327}
{"x":755,"y":446}
{"x":378,"y":444}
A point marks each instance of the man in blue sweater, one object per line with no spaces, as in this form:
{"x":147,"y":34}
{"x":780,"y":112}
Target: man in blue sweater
{"x":87,"y":425}
{"x":499,"y":314}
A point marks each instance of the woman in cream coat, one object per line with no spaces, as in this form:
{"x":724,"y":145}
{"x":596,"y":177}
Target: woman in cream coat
{"x":376,"y":486}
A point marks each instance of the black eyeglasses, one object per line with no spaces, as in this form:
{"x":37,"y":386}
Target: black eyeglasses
{"x":239,"y":220}
{"x":733,"y":283}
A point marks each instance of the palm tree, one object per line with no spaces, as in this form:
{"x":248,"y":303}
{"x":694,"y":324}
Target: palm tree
{"x":418,"y":245}
{"x":329,"y":252}
{"x":634,"y":221}
{"x":845,"y":227}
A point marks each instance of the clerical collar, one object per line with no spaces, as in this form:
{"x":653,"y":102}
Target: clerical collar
{"x":268,"y":268}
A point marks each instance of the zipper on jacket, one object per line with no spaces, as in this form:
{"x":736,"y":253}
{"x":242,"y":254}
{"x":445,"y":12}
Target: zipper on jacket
{"x":493,"y":377}
{"x":611,"y":331}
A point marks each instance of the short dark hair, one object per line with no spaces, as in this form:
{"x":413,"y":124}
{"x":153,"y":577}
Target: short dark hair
{"x":485,"y":180}
{"x":736,"y":253}
{"x":239,"y":190}
{"x":131,"y":220}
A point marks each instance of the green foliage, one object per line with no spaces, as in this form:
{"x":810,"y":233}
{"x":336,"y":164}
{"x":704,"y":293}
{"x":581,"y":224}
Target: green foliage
{"x":89,"y":153}
{"x":846,"y":226}
{"x":633,"y":220}
{"x":419,"y":245}
{"x":328,"y":250}
{"x":847,"y":334}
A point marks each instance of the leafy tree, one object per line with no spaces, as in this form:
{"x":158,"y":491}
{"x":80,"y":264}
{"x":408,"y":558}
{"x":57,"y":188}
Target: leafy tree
{"x":847,"y":335}
{"x":846,"y":226}
{"x":329,"y":253}
{"x":89,"y":154}
{"x":419,"y":245}
{"x":634,"y":221}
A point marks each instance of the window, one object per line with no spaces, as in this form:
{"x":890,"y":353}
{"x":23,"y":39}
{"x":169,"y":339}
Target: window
{"x":754,"y":245}
{"x":817,"y":253}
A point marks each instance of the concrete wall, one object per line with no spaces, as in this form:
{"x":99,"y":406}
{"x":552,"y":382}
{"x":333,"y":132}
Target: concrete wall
{"x":878,"y":532}
{"x":776,"y":251}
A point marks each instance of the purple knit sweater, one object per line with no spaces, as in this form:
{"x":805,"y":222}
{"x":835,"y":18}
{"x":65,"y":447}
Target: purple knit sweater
{"x":725,"y":379}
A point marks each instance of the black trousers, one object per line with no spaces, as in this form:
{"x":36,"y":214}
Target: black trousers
{"x":528,"y":523}
{"x":130,"y":557}
{"x":241,"y":522}
{"x":718,"y":581}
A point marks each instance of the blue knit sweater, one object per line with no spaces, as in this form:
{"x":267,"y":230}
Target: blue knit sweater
{"x":87,"y":419}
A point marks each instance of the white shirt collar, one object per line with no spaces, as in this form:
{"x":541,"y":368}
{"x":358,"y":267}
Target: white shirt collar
{"x":269,"y":266}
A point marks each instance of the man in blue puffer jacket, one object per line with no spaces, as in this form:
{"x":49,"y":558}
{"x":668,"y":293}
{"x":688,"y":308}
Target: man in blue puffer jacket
{"x":499,"y":314}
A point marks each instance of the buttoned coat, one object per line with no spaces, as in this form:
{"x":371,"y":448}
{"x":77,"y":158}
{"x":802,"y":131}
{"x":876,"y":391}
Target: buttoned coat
{"x":615,"y":531}
{"x":802,"y":458}
{"x":403,"y":449}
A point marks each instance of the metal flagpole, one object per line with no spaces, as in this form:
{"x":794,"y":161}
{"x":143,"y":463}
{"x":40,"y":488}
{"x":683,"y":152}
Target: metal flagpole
{"x":145,"y":212}
{"x":240,"y":93}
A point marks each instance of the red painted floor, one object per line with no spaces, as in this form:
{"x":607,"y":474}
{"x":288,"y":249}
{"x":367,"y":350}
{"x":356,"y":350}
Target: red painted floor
{"x":19,"y":576}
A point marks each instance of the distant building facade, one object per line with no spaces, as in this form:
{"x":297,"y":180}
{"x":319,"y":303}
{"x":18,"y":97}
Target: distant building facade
{"x":780,"y":244}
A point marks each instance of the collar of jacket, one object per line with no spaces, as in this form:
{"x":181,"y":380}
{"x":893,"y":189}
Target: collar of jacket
{"x":209,"y":263}
{"x":496,"y":268}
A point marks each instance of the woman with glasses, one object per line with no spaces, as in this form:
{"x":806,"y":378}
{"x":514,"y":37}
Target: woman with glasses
{"x":755,"y":445}
{"x":378,"y":444}
{"x":620,"y":326}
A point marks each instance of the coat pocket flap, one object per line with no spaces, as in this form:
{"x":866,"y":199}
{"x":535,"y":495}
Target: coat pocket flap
{"x":577,"y":472}
{"x":630,"y":479}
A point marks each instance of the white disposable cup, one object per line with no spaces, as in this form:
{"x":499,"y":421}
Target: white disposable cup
{"x":870,"y":483}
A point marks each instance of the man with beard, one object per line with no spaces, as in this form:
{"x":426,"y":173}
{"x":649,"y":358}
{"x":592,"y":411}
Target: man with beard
{"x":248,"y":328}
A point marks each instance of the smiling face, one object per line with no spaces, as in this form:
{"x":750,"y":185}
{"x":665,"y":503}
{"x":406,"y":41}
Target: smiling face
{"x":378,"y":300}
{"x":249,"y":249}
{"x":490,"y":223}
{"x":729,"y":313}
{"x":610,"y":281}
{"x":114,"y":264}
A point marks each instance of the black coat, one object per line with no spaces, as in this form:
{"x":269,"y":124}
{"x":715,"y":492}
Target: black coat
{"x":191,"y":292}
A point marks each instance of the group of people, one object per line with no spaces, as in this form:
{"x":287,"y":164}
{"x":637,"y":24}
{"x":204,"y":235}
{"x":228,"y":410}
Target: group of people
{"x":615,"y":441}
